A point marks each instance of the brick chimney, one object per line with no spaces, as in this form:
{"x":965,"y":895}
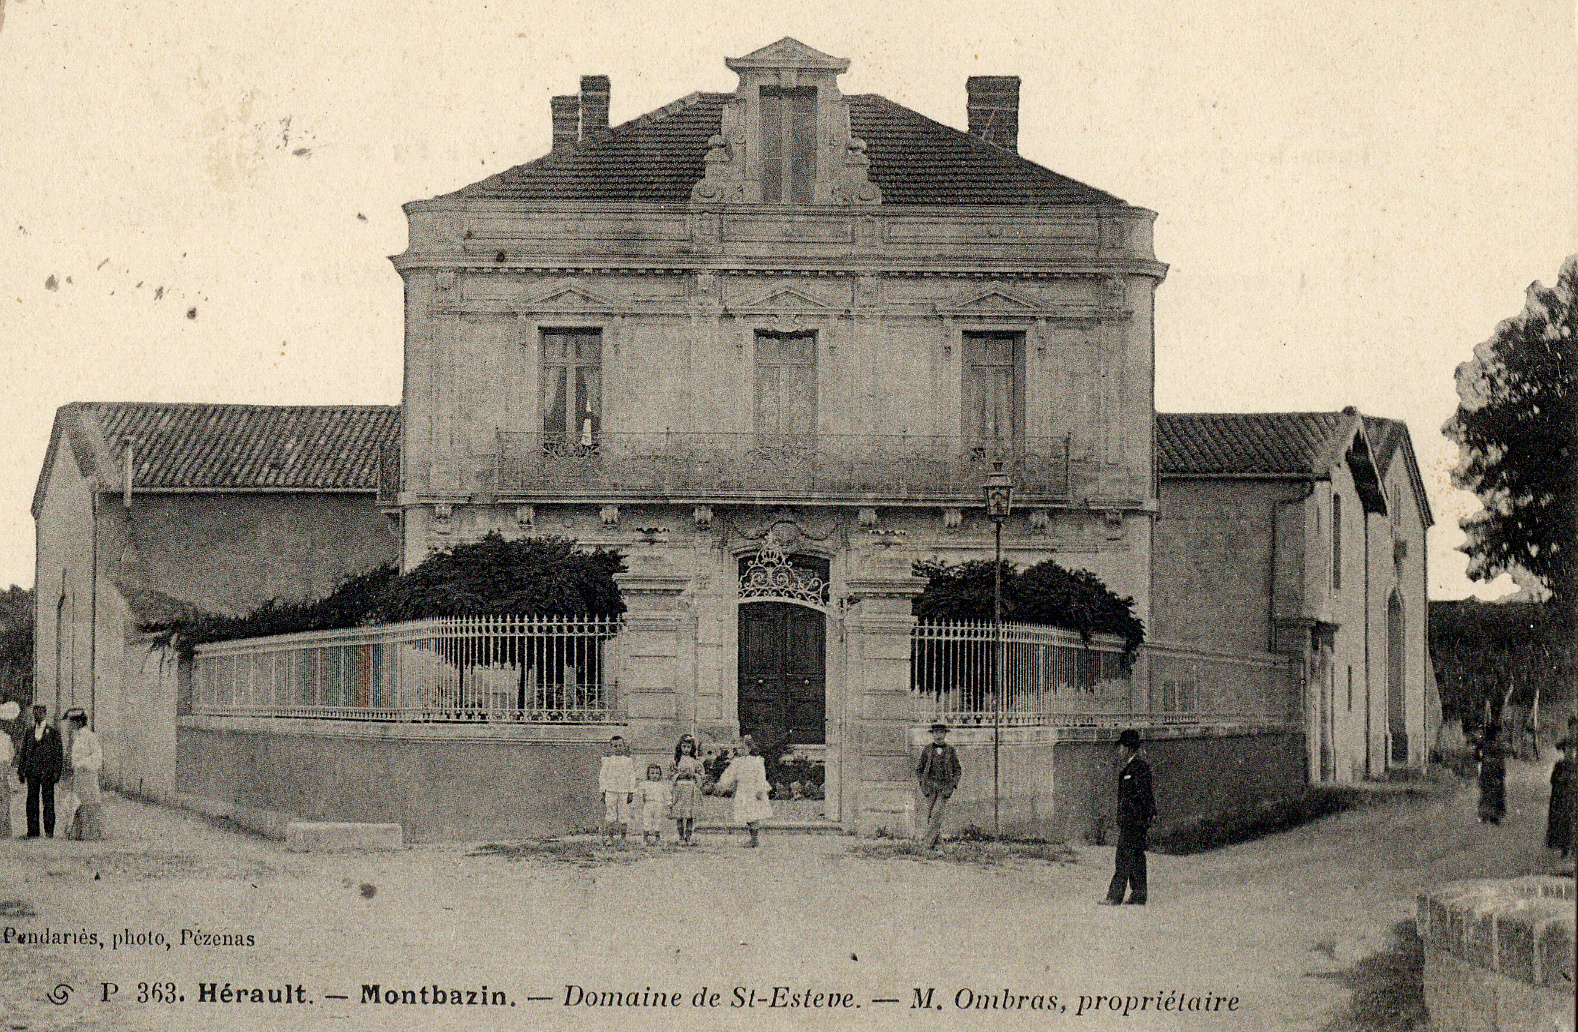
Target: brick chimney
{"x":993,"y":107}
{"x":566,"y":112}
{"x":595,"y":90}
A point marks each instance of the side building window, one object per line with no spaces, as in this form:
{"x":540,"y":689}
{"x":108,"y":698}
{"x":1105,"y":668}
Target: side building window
{"x":572,"y":388}
{"x":994,"y":391}
{"x":1336,"y":542}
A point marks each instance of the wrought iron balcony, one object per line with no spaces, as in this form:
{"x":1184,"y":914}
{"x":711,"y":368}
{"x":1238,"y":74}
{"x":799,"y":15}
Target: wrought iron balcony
{"x":769,"y":466}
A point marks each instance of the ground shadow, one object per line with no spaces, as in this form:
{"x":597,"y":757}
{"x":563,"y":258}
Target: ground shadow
{"x":965,"y":851}
{"x":581,"y":854}
{"x":1387,"y":987}
{"x":1269,"y":817}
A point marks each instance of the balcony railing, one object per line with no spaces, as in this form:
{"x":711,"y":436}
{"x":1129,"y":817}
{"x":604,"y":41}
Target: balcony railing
{"x":750,"y":465}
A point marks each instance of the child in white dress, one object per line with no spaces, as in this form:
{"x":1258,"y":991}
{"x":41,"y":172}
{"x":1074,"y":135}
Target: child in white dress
{"x":747,"y":775}
{"x":655,"y":802}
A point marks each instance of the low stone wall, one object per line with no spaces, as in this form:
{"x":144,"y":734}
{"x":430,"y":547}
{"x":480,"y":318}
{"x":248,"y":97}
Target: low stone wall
{"x":1059,"y":783}
{"x":438,"y":782}
{"x":1499,"y":955}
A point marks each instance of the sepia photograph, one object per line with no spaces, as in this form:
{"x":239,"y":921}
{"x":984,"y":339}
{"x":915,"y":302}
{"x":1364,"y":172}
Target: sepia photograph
{"x":986,"y":516}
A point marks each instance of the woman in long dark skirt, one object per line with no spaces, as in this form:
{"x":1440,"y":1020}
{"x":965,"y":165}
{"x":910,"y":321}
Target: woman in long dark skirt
{"x":1492,"y":778}
{"x":1560,"y":823}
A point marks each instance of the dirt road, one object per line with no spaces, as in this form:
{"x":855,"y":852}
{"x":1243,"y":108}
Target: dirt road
{"x":1310,"y":929}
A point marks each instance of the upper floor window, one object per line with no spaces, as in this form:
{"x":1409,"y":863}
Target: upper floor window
{"x":572,"y":387}
{"x":1336,"y":541}
{"x":788,"y":144}
{"x":786,"y":384}
{"x":993,"y":389}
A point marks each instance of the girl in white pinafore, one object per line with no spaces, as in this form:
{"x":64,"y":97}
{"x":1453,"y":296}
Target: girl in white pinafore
{"x":747,"y":775}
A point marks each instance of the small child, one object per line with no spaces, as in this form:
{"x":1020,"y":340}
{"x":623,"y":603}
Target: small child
{"x":617,"y":781}
{"x":655,"y":802}
{"x":688,"y":771}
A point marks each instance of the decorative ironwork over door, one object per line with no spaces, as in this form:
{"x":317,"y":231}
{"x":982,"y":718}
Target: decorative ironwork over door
{"x":783,"y":679}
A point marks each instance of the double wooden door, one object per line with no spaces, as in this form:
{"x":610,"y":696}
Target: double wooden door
{"x":783,"y":679}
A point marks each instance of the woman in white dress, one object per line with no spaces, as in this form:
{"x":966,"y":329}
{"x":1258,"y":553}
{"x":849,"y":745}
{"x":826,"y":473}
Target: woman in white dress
{"x":747,"y":775}
{"x":87,"y":758}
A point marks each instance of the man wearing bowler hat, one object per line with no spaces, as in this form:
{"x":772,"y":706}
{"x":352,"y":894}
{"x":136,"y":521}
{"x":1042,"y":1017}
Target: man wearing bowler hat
{"x":40,"y":766}
{"x":938,"y":772}
{"x":1136,"y":809}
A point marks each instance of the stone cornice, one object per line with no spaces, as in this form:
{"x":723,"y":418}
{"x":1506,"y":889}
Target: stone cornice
{"x":1024,"y":268}
{"x":780,"y":238}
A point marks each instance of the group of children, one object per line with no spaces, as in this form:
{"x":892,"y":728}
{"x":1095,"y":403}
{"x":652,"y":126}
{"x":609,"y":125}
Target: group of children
{"x":655,"y":798}
{"x":677,"y":797}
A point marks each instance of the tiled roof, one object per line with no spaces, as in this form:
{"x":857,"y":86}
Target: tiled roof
{"x":1246,"y":443}
{"x":1389,"y":439}
{"x":1385,"y":435}
{"x":658,"y":157}
{"x":244,"y":447}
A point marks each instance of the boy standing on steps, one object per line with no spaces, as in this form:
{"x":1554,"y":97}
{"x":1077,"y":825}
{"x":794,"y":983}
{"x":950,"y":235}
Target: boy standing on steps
{"x":617,"y":781}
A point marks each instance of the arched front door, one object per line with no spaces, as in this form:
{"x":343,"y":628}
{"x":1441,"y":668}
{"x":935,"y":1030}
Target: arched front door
{"x":783,"y":673}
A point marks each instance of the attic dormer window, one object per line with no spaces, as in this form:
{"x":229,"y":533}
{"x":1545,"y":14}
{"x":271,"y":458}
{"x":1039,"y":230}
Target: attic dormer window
{"x":784,"y":136}
{"x":788,"y":145}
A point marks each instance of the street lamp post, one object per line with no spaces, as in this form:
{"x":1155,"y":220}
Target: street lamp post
{"x":999,"y":490}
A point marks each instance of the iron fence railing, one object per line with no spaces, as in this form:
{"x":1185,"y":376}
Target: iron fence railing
{"x":1188,"y":685}
{"x":1054,"y":677}
{"x":455,"y":669}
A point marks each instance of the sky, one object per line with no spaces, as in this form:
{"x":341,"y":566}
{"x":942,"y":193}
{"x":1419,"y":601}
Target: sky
{"x":198,"y":199}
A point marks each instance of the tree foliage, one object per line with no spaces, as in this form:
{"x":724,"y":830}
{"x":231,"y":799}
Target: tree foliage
{"x":1045,"y":593}
{"x":349,"y":605}
{"x":16,"y":646}
{"x":491,"y":577}
{"x":495,"y":577}
{"x":1503,"y":653}
{"x":1515,"y":429}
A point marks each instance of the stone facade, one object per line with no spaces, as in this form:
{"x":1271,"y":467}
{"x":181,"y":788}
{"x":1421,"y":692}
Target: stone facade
{"x":794,"y":350}
{"x":1319,"y":555}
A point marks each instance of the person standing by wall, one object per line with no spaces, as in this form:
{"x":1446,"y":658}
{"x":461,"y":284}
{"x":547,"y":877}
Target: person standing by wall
{"x":87,"y":759}
{"x":616,"y":780}
{"x":938,"y":772}
{"x":40,"y":766}
{"x":1561,"y":823}
{"x":1136,"y":810}
{"x":9,"y":711}
{"x":1492,"y":776}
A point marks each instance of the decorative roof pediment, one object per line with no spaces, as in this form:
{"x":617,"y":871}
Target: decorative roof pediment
{"x":991,"y":301}
{"x":788,"y":53}
{"x":787,"y":300}
{"x":574,"y":296}
{"x":806,"y":154}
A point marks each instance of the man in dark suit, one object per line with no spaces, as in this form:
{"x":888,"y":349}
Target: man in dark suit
{"x":938,"y":773}
{"x":39,"y":764}
{"x":1136,"y":809}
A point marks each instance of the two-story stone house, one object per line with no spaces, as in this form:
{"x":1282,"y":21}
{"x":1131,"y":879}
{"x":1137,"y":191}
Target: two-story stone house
{"x":770,"y":343}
